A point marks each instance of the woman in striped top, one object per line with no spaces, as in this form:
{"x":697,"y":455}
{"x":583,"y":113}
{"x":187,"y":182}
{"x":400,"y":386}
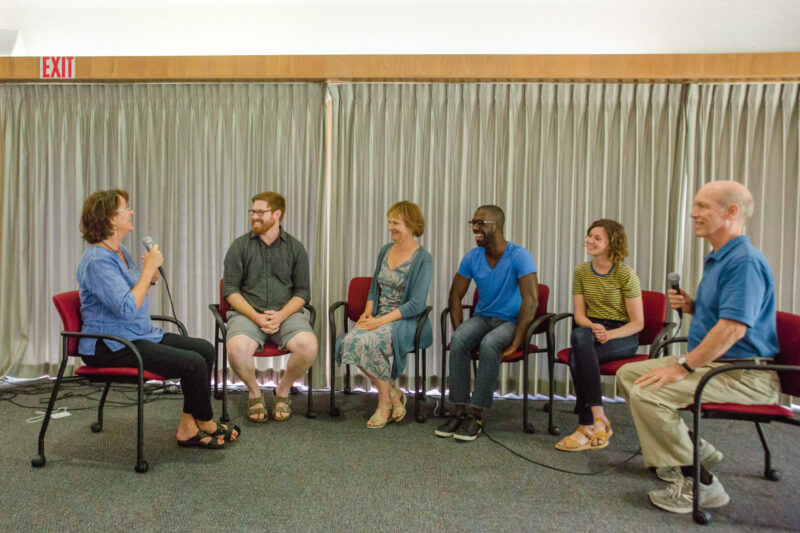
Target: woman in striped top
{"x":608,"y":317}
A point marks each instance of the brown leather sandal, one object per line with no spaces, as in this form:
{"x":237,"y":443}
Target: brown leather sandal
{"x":601,"y":436}
{"x":568,"y":444}
{"x":253,"y":412}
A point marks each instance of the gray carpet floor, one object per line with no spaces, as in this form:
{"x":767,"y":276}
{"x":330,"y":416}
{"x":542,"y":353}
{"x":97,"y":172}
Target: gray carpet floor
{"x":333,"y":474}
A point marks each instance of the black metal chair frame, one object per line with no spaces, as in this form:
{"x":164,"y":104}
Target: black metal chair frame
{"x":702,"y":516}
{"x":141,"y":465}
{"x":529,"y":333}
{"x":220,"y":334}
{"x":418,"y":393}
{"x":552,"y":359}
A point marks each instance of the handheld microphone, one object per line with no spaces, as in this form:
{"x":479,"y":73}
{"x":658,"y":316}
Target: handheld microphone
{"x":674,"y":280}
{"x":148,"y":243}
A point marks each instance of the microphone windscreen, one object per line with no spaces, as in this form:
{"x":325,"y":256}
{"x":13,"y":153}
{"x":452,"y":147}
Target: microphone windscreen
{"x":674,"y":280}
{"x":148,"y":243}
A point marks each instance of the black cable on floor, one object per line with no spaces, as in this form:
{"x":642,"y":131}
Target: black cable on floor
{"x":549,"y":467}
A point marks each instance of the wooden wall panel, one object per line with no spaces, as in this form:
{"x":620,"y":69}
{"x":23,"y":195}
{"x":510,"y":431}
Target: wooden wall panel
{"x":668,"y":67}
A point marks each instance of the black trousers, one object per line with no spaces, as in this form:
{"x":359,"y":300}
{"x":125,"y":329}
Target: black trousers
{"x":176,"y":356}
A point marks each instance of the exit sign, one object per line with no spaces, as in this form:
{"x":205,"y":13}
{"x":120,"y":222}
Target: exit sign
{"x":57,"y":68}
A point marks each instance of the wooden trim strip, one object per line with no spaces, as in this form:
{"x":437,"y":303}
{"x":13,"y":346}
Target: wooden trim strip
{"x":780,"y":66}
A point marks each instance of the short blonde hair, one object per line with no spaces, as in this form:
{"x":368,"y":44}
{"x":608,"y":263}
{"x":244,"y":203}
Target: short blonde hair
{"x":410,"y":214}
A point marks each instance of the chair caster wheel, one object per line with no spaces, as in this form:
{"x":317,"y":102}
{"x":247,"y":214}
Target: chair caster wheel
{"x":217,"y":395}
{"x":772,"y":474}
{"x":348,"y":390}
{"x":293,"y":391}
{"x":334,"y":411}
{"x":701,"y":517}
{"x":38,"y":461}
{"x":97,"y":427}
{"x":311,"y":414}
{"x":530,"y":429}
{"x":143,"y":467}
{"x":546,"y":408}
{"x":554,"y":430}
{"x":421,"y":419}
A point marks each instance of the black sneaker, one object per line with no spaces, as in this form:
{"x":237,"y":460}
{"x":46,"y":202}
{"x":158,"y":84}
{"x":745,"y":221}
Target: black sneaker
{"x":449,"y":428}
{"x":469,"y":429}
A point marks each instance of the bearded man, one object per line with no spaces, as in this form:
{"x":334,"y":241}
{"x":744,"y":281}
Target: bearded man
{"x":266,"y":282}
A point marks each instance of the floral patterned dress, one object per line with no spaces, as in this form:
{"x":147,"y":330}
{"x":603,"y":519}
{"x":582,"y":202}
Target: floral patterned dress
{"x":372,"y":350}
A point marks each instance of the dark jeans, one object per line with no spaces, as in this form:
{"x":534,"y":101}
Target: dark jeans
{"x":176,"y":356}
{"x":584,"y":363}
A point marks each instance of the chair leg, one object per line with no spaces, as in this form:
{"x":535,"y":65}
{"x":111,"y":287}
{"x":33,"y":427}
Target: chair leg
{"x":347,"y":389}
{"x":97,"y":427}
{"x":526,"y":427}
{"x":424,"y":375}
{"x":40,"y":459}
{"x":769,"y":472}
{"x":310,"y":413}
{"x":217,"y":393}
{"x":224,"y":418}
{"x":141,"y":464}
{"x":333,"y":410}
{"x":420,"y":415}
{"x":443,"y":374}
{"x":551,"y":365}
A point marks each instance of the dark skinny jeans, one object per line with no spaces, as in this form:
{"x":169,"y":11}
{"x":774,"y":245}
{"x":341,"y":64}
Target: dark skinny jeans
{"x":585,"y":359}
{"x":176,"y":356}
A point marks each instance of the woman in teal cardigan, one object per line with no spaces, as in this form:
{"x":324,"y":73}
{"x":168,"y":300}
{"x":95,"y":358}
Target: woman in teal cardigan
{"x":384,"y":333}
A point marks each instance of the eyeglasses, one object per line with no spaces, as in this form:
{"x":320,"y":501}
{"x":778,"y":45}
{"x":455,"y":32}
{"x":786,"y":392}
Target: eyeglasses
{"x":480,"y":223}
{"x":258,"y":212}
{"x":126,"y":208}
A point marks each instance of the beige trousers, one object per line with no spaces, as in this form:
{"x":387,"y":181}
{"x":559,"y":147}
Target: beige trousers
{"x":662,"y":433}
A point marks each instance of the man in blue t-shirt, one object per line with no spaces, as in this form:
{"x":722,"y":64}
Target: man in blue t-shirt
{"x":505,"y":276}
{"x":734,"y":319}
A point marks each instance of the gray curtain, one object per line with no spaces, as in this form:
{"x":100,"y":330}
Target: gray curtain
{"x":554,"y":156}
{"x":191,"y":155}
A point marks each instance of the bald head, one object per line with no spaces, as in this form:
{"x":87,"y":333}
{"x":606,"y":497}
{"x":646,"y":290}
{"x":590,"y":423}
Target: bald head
{"x":728,"y":193}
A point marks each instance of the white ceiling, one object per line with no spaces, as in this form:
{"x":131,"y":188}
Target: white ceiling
{"x":204,"y":27}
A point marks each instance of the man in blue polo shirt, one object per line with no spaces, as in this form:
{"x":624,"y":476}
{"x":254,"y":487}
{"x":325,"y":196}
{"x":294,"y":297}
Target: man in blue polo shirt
{"x":734,"y":319}
{"x":505,"y":276}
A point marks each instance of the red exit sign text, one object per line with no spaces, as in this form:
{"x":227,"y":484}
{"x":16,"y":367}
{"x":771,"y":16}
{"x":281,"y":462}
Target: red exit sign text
{"x":57,"y":68}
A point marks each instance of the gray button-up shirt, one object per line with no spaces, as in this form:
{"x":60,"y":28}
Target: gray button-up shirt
{"x":267,"y":276}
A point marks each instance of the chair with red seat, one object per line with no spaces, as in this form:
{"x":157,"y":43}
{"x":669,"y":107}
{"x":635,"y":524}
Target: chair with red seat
{"x":270,"y":349}
{"x":357,"y":293}
{"x":540,"y":325}
{"x":68,"y":305}
{"x":656,"y":330}
{"x":786,"y":364}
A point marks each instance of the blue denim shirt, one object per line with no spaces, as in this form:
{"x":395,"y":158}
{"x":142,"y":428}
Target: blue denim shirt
{"x":107,"y":304}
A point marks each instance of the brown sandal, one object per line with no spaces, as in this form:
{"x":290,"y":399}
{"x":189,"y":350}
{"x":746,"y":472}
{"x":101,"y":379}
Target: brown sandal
{"x":252,"y":412}
{"x":602,"y":436}
{"x":284,"y":409}
{"x":568,"y":444}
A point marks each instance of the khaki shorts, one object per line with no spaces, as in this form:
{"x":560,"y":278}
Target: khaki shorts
{"x":239,"y":324}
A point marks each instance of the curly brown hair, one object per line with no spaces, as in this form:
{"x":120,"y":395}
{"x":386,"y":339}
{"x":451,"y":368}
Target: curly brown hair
{"x":411,"y":215}
{"x":617,"y":240}
{"x":98,"y":210}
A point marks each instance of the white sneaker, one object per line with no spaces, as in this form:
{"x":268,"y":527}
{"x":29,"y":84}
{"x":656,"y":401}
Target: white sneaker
{"x":677,"y":498}
{"x":709,"y":458}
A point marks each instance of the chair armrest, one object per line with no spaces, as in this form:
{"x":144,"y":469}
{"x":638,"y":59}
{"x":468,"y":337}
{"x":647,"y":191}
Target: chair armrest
{"x":332,"y":318}
{"x":446,"y":314}
{"x":667,"y":342}
{"x":173,"y":320}
{"x":661,"y":338}
{"x":128,"y":344}
{"x":312,"y":314}
{"x":556,"y":318}
{"x":698,"y":392}
{"x":536,"y":324}
{"x":423,"y":316}
{"x":214,"y":308}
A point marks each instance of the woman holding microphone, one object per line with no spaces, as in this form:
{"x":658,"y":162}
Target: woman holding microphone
{"x":113,"y":292}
